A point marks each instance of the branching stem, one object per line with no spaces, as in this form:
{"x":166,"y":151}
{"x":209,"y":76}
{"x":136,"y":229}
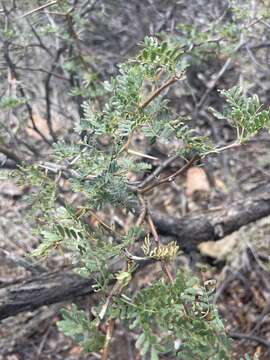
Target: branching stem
{"x":171,"y":178}
{"x":158,"y":91}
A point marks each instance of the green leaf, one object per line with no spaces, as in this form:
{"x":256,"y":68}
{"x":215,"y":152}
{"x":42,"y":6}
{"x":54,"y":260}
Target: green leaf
{"x":154,"y":354}
{"x":140,"y":340}
{"x":145,"y":348}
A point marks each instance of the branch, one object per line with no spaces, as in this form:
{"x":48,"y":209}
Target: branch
{"x":48,"y":92}
{"x":46,"y":289}
{"x":170,"y":178}
{"x":158,"y":171}
{"x":252,"y":338}
{"x":40,"y":8}
{"x":192,"y":229}
{"x":171,"y":81}
{"x":188,"y":231}
{"x":12,"y":69}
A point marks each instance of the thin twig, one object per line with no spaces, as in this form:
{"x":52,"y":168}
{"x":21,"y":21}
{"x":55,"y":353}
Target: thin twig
{"x":109,"y":332}
{"x":40,"y":8}
{"x":223,"y":148}
{"x":106,"y":226}
{"x":14,"y":75}
{"x":158,"y":171}
{"x":171,"y":81}
{"x":153,"y":230}
{"x":48,"y":92}
{"x":251,"y":338}
{"x":144,"y":104}
{"x":126,"y":145}
{"x":166,"y":271}
{"x":143,"y":211}
{"x":137,"y":153}
{"x":170,"y":178}
{"x":214,"y":82}
{"x":221,"y":72}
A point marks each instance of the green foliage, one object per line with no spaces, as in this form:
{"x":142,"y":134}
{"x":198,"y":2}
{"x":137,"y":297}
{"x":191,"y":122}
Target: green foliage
{"x":157,"y":56}
{"x":244,"y":113}
{"x":176,"y":318}
{"x":42,"y":198}
{"x":7,"y":102}
{"x":183,"y":313}
{"x":123,"y":113}
{"x":76,"y":324}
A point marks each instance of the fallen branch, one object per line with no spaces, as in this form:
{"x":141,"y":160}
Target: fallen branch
{"x":188,"y":231}
{"x":45,"y":289}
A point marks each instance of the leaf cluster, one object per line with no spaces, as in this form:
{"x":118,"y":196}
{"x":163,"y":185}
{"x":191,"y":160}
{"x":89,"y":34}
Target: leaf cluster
{"x":245,"y":113}
{"x":183,"y":313}
{"x":177,"y":319}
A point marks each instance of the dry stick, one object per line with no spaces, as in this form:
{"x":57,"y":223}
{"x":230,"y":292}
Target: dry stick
{"x":106,"y":226}
{"x":219,"y":75}
{"x":109,"y":333}
{"x":170,"y":178}
{"x":137,"y":153}
{"x":40,"y":8}
{"x":143,"y":211}
{"x":158,"y":170}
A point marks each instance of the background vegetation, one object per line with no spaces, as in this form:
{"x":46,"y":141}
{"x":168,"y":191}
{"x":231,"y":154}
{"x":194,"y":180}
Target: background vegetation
{"x":190,"y":107}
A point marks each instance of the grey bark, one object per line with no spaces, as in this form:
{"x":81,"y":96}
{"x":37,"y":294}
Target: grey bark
{"x":45,"y":289}
{"x":193,"y":229}
{"x":188,"y":231}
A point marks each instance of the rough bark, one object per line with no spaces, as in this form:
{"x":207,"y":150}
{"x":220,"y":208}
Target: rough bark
{"x":193,"y":229}
{"x":189,"y":231}
{"x":45,"y":289}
